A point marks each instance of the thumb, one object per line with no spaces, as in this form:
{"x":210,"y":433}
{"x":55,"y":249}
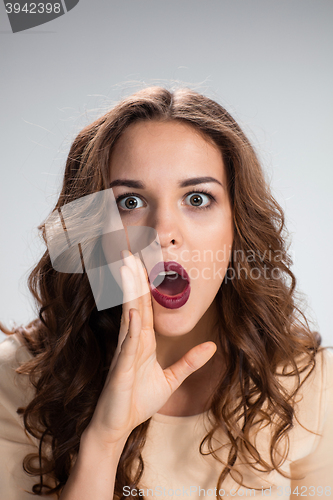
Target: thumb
{"x":194,"y":359}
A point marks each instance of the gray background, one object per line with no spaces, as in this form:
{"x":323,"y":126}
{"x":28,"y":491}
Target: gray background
{"x":268,"y":62}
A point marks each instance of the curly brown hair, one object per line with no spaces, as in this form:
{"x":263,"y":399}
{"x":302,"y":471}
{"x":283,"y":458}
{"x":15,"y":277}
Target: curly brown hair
{"x":261,"y":328}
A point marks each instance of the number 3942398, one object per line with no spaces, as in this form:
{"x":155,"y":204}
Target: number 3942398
{"x":305,"y":491}
{"x":33,"y":8}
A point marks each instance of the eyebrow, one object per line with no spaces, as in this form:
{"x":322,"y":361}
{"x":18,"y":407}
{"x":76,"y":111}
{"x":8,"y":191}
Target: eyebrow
{"x":184,"y":183}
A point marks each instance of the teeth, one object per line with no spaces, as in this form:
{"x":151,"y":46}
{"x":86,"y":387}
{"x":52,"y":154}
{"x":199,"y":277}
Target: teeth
{"x":164,"y":273}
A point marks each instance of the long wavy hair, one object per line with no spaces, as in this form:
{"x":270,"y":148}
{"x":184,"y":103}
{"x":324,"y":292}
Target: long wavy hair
{"x":262,"y":331}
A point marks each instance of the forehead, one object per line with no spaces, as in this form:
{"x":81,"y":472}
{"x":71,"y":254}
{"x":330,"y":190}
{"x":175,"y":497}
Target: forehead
{"x":172,"y":145}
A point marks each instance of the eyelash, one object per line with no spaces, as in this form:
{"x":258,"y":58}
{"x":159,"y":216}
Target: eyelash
{"x":210,"y":196}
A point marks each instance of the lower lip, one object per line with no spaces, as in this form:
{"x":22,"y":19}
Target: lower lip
{"x":171,"y":302}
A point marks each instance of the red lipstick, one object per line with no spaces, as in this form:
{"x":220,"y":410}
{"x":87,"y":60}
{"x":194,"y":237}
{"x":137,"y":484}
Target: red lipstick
{"x":177,"y":281}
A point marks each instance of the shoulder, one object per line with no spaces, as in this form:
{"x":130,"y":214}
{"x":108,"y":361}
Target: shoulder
{"x":15,"y":388}
{"x":324,"y":385}
{"x":10,"y":346}
{"x":313,"y":417}
{"x":13,"y":353}
{"x":313,"y":458}
{"x":319,"y":383}
{"x":315,"y":394}
{"x":15,"y":442}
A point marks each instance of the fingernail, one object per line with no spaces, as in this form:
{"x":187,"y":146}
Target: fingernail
{"x":124,"y":254}
{"x":131,"y":314}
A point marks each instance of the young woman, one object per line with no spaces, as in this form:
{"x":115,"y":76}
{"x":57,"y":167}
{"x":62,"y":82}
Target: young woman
{"x":207,"y":381}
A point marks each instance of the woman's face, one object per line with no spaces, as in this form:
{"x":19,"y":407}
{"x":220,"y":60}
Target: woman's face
{"x":195,"y":229}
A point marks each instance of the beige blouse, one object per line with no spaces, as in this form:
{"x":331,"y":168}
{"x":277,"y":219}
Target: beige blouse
{"x":173,"y":465}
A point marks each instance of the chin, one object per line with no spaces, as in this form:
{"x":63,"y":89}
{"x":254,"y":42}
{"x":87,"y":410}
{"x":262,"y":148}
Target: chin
{"x":173,"y":325}
{"x":164,"y":332}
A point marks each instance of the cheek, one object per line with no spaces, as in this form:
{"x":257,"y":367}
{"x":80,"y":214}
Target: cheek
{"x":215,"y":253}
{"x":219,"y":240}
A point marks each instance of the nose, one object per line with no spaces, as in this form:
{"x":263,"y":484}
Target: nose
{"x":165,"y":222}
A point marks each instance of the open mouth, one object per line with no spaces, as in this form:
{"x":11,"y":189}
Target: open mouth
{"x":169,"y":278}
{"x":170,"y":284}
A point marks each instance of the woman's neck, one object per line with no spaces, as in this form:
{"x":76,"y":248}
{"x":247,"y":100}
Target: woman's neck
{"x":195,"y":394}
{"x":170,"y":348}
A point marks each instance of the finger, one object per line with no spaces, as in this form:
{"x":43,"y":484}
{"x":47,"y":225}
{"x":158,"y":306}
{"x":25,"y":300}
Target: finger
{"x":129,"y":291}
{"x":142,"y":285}
{"x":131,"y":261}
{"x":130,"y":284}
{"x":147,"y":318}
{"x":194,"y":359}
{"x":129,"y":347}
{"x":134,"y":261}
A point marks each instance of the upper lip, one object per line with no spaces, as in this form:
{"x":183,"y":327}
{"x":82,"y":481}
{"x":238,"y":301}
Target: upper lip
{"x":168,"y":266}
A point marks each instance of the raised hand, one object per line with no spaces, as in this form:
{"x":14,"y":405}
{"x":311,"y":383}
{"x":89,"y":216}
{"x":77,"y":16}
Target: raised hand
{"x":137,"y":386}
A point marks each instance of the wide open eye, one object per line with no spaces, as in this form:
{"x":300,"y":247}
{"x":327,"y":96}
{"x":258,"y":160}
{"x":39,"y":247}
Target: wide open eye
{"x":128,"y":202}
{"x":197,"y":199}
